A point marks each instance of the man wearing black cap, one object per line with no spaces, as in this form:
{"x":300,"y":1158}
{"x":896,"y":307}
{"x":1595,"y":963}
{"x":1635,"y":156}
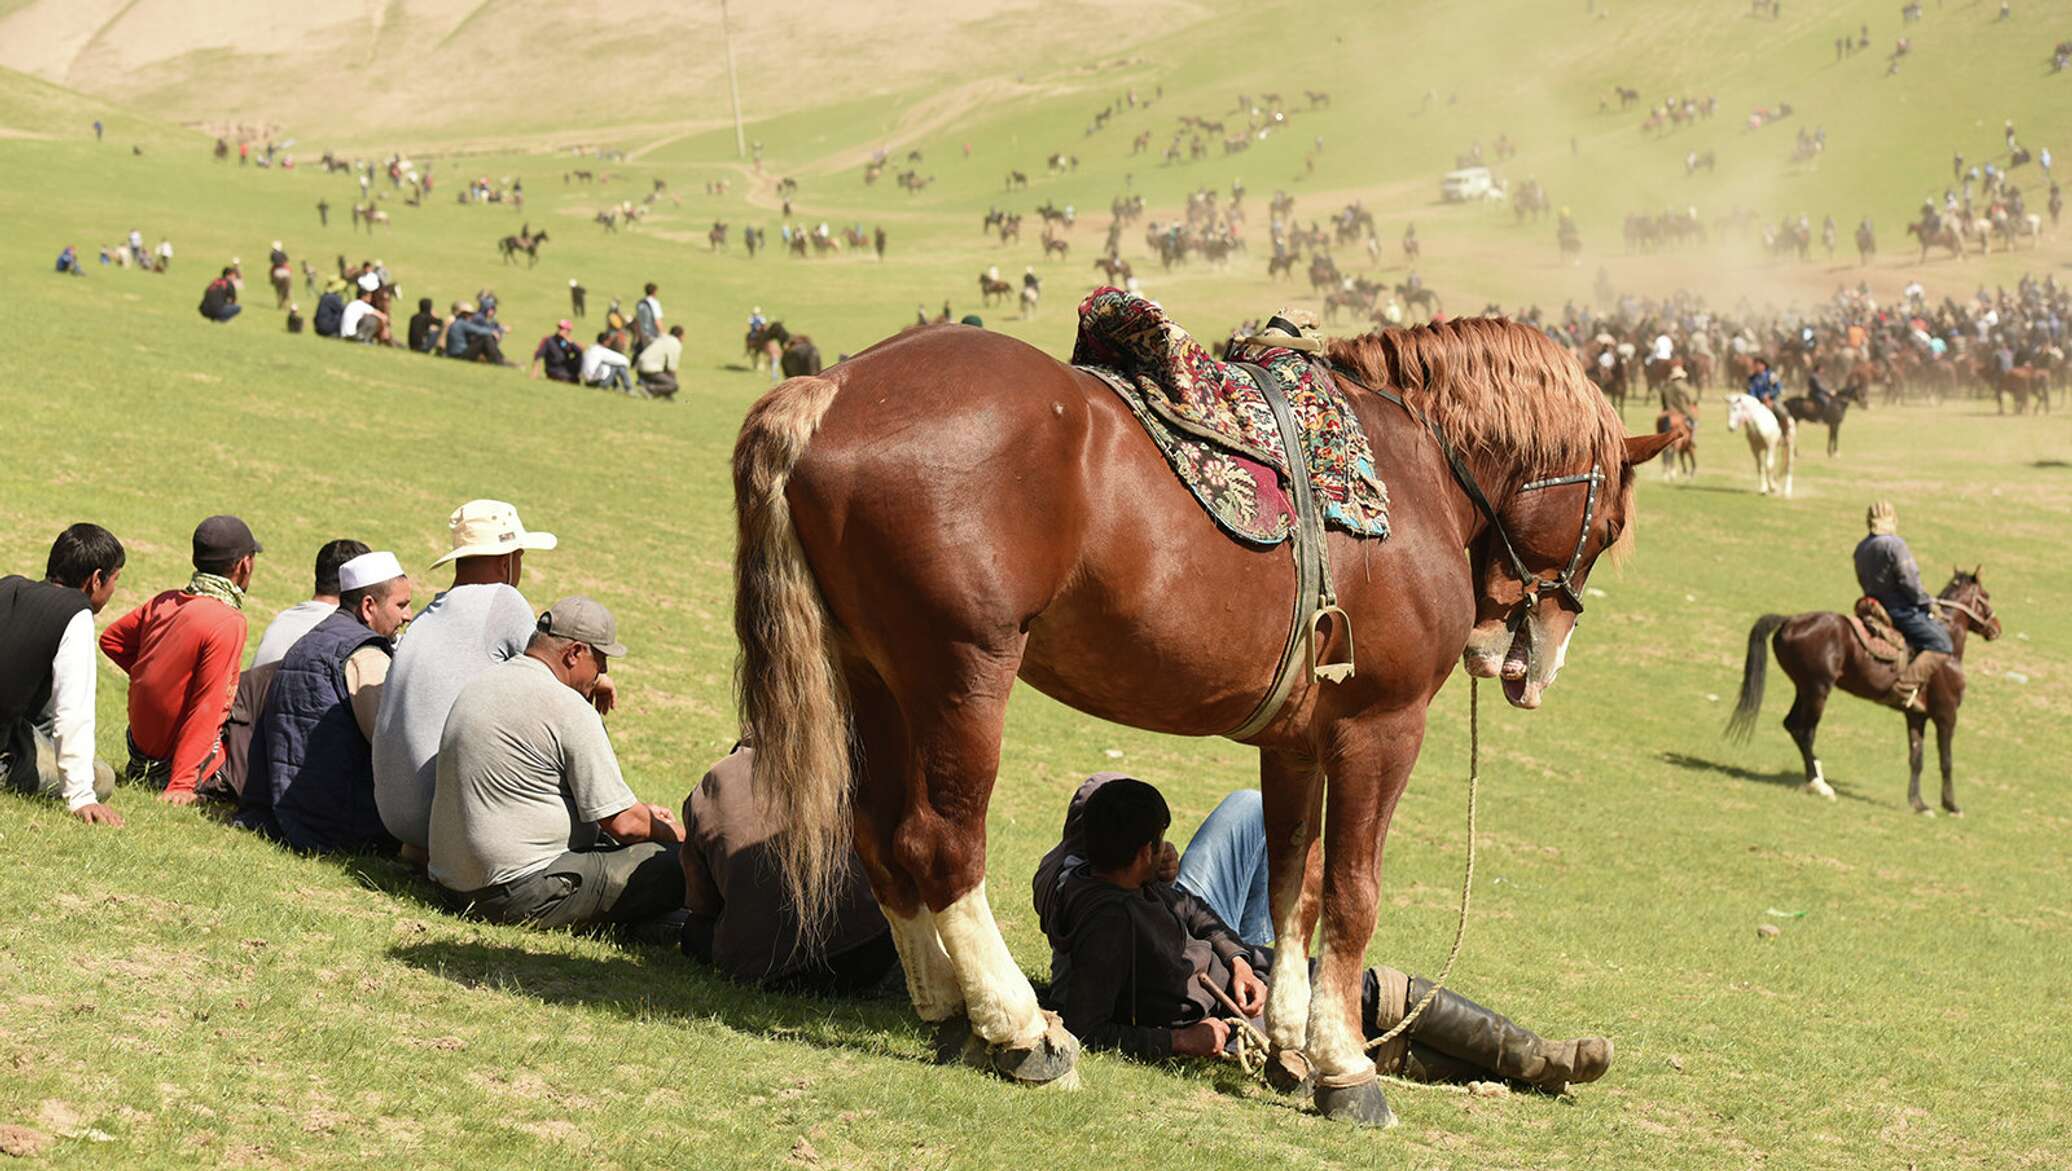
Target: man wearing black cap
{"x":47,"y":674}
{"x":181,"y":651}
{"x":531,"y":821}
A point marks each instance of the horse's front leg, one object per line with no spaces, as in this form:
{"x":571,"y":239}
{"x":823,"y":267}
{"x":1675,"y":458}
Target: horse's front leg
{"x":1945,"y":732}
{"x":1292,"y":790}
{"x":1368,"y":763}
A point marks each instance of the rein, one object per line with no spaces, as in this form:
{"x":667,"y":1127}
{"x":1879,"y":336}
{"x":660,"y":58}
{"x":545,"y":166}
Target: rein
{"x":1966,"y":610}
{"x":1534,"y":584}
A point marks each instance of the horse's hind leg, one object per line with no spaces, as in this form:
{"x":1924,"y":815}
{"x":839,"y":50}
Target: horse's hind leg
{"x":955,"y":710}
{"x":1803,"y":722}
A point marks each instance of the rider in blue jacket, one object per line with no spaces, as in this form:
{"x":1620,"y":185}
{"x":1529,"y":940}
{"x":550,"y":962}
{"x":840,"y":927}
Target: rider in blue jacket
{"x":1764,"y":388}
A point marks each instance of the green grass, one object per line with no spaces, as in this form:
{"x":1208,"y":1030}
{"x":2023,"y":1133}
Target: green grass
{"x":197,"y":997}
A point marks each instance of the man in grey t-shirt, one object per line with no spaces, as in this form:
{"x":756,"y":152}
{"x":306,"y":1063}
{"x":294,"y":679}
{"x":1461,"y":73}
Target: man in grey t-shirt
{"x":482,"y":621}
{"x":528,"y":787}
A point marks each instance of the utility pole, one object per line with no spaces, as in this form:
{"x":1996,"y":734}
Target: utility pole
{"x":726,"y":37}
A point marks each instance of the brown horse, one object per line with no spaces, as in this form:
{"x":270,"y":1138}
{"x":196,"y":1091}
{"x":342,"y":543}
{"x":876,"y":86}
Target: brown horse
{"x":952,"y":509}
{"x":1820,"y":652}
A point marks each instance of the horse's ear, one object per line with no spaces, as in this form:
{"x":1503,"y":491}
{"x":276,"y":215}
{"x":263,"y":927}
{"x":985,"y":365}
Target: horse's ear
{"x":1642,"y":448}
{"x":1977,"y":569}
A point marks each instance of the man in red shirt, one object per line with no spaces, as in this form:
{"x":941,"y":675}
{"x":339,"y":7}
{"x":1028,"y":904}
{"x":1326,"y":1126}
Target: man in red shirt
{"x":181,"y":651}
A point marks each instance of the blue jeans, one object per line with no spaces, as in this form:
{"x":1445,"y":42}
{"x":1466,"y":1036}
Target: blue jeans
{"x":1922,"y":631}
{"x":227,"y":312}
{"x":1225,"y":866}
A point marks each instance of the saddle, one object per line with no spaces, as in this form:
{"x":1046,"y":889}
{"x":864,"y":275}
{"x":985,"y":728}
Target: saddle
{"x":1874,"y":629}
{"x":1215,"y":422}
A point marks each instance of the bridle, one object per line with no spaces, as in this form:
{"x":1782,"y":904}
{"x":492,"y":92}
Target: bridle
{"x":1564,"y":582}
{"x":1985,"y":621}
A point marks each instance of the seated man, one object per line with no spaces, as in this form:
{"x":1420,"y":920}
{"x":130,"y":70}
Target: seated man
{"x":740,"y":921}
{"x":330,"y":309}
{"x":480,"y":622}
{"x":362,"y":322}
{"x":312,"y":771}
{"x":531,"y":821}
{"x":425,"y":327}
{"x":219,"y":300}
{"x":473,"y":338}
{"x":558,"y":355}
{"x":296,"y":324}
{"x":47,"y":674}
{"x":286,"y":628}
{"x":1128,"y":952}
{"x":606,"y":367}
{"x":68,"y":261}
{"x":181,"y":651}
{"x":658,"y":363}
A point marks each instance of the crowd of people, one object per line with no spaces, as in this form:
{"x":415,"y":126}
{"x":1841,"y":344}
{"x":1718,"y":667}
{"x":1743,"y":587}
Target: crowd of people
{"x":467,"y":739}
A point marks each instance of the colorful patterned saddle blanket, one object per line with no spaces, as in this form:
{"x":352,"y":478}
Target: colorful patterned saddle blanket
{"x":1211,"y":421}
{"x":1874,"y":629}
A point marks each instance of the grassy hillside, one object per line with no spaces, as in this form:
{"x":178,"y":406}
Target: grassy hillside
{"x":179,"y":994}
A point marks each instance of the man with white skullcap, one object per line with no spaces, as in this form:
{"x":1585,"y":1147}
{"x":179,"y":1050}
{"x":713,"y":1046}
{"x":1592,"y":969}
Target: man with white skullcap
{"x":362,"y":321}
{"x":481,"y":621}
{"x":311,"y":776}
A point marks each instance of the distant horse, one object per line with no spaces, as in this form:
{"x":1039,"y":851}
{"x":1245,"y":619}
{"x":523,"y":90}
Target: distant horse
{"x":283,"y":279}
{"x":716,"y":237}
{"x":1683,"y":446}
{"x":1832,"y":412}
{"x":1052,"y":246}
{"x":511,"y":246}
{"x":766,"y":344}
{"x":1115,"y":268}
{"x":800,"y":357}
{"x":952,"y":510}
{"x":991,"y":290}
{"x":1031,"y":294}
{"x":1765,"y":440}
{"x":1422,"y":295}
{"x":1946,"y":236}
{"x":1819,"y":652}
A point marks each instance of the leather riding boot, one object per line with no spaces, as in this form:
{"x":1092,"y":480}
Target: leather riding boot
{"x":1459,"y":1028}
{"x":1913,"y":680}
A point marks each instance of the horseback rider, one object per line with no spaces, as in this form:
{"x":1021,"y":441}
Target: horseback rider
{"x":1885,"y":570}
{"x":1816,"y":388}
{"x":1764,"y":388}
{"x":1676,"y":398}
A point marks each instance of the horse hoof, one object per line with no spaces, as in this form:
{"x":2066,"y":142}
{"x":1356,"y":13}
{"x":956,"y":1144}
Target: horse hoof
{"x":1052,"y":1060}
{"x":1819,"y":788}
{"x":1924,"y":811}
{"x":1290,"y":1073}
{"x":957,"y":1044}
{"x":1361,"y":1105}
{"x":1951,"y":809}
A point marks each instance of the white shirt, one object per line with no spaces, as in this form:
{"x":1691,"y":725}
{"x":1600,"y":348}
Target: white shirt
{"x":165,"y":249}
{"x":70,"y":713}
{"x":1665,"y":348}
{"x":655,"y":307}
{"x":287,"y":627}
{"x":596,"y":358}
{"x":355,"y":309}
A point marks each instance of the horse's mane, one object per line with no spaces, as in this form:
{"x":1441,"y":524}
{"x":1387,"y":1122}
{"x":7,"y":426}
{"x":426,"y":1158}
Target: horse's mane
{"x":1496,"y":388}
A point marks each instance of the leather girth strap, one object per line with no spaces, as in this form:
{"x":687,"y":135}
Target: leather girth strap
{"x":1315,"y":598}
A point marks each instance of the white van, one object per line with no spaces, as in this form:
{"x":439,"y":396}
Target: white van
{"x":1466,"y":184}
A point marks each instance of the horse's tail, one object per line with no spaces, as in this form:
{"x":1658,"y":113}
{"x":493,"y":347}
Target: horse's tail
{"x":790,"y":683}
{"x":1741,"y":725}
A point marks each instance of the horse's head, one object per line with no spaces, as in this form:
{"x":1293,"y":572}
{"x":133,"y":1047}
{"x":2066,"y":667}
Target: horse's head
{"x":1966,"y":597}
{"x":1531,"y":569}
{"x":1737,"y":410}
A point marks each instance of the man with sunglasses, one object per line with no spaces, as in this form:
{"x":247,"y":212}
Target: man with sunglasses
{"x":531,"y":820}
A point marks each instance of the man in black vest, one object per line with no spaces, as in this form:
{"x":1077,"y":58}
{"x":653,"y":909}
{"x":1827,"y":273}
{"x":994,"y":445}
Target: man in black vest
{"x":47,"y":674}
{"x":311,"y":778}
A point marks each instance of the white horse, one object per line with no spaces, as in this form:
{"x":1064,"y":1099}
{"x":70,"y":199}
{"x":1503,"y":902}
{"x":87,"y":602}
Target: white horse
{"x":1764,"y":438}
{"x":1031,"y":294}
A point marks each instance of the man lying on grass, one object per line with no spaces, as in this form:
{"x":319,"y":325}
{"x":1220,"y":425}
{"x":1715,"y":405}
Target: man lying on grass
{"x":1128,"y":949}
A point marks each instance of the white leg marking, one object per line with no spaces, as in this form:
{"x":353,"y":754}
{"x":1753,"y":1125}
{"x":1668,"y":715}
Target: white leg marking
{"x":1287,"y":997}
{"x":931,"y":979}
{"x":1335,"y":1052}
{"x":997,"y":996}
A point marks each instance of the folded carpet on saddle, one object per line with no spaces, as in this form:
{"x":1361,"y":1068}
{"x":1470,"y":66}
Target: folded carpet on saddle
{"x":1212,"y":421}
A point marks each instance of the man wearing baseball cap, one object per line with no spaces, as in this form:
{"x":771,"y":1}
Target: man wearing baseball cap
{"x":181,"y":652}
{"x":311,"y":779}
{"x":558,"y":354}
{"x":478,"y":623}
{"x":532,"y":822}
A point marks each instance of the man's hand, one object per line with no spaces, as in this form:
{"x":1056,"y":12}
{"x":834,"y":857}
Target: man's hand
{"x":178,"y":797}
{"x":1246,"y":987}
{"x":1168,"y":863}
{"x":98,"y":814}
{"x":1203,"y":1038}
{"x":663,"y":826}
{"x":605,"y":695}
